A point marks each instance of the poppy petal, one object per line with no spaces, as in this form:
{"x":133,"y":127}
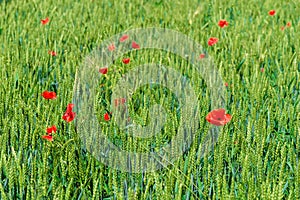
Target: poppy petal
{"x":45,"y":21}
{"x":119,"y":101}
{"x":218,"y":117}
{"x":103,"y":70}
{"x":111,"y":47}
{"x":69,"y":116}
{"x":126,"y":60}
{"x":212,"y":41}
{"x":124,"y":38}
{"x":48,"y":137}
{"x":134,"y":45}
{"x":202,"y":55}
{"x":222,"y":23}
{"x":70,"y":107}
{"x":272,"y":12}
{"x":49,"y":95}
{"x":106,"y":117}
{"x":52,"y":53}
{"x":52,"y":129}
{"x":227,"y":118}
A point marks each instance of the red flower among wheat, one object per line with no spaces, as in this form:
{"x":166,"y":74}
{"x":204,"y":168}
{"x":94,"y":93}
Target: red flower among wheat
{"x":49,"y":95}
{"x":69,"y":114}
{"x":272,"y":12}
{"x":135,"y":45}
{"x":126,"y":60}
{"x":52,"y":53}
{"x":218,"y":117}
{"x":212,"y":41}
{"x":45,"y":21}
{"x":222,"y":23}
{"x":103,"y":70}
{"x":106,"y":117}
{"x":49,"y":136}
{"x":123,"y":38}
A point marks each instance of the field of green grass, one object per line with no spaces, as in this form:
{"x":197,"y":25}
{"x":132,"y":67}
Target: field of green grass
{"x":257,"y":152}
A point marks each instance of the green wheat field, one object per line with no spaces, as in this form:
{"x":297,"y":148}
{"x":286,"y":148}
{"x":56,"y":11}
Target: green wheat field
{"x":257,"y":152}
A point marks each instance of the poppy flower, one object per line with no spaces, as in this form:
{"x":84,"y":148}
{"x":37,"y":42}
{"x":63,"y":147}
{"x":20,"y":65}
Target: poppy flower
{"x":218,"y":117}
{"x":135,"y":45}
{"x":126,"y":60}
{"x":282,"y":28}
{"x":70,"y":107}
{"x":124,"y":38}
{"x":52,"y":129}
{"x":212,"y":41}
{"x":48,"y":137}
{"x":289,"y":24}
{"x":202,"y":55}
{"x":45,"y":21}
{"x":69,"y":114}
{"x":272,"y":12}
{"x":103,"y":70}
{"x":111,"y":47}
{"x":262,"y":69}
{"x":52,"y":53}
{"x":49,"y":95}
{"x":106,"y":117}
{"x":222,"y":23}
{"x":120,"y":101}
{"x":226,"y":84}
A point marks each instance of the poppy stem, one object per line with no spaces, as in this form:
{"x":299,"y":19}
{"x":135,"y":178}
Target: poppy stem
{"x":49,"y":113}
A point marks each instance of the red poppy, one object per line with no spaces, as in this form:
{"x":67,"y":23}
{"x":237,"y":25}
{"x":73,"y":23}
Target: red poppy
{"x":202,"y":55}
{"x":49,"y":95}
{"x":135,"y":45}
{"x":226,"y":84}
{"x":222,"y":23}
{"x":52,"y":53}
{"x":106,"y":117}
{"x":52,"y":129}
{"x":69,"y":114}
{"x":103,"y":70}
{"x":212,"y":41}
{"x":124,"y":38}
{"x":262,"y":69}
{"x":282,"y":28}
{"x":218,"y":117}
{"x":48,"y":137}
{"x":272,"y":12}
{"x":111,"y":47}
{"x":70,"y":107}
{"x":289,"y":24}
{"x":45,"y":21}
{"x":120,"y":101}
{"x":126,"y":60}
